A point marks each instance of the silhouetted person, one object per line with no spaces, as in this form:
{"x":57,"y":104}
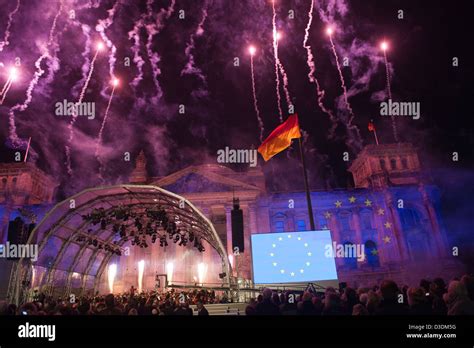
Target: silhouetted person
{"x":201,"y":309}
{"x":267,"y":307}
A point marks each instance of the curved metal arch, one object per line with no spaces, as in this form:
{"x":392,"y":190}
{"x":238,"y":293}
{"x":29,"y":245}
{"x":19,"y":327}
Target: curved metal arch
{"x":190,"y":213}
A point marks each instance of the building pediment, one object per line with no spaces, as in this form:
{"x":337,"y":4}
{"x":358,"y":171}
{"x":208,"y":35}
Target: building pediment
{"x":199,"y":179}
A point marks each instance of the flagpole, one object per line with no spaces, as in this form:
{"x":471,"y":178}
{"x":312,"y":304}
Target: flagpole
{"x":376,"y":139}
{"x":27,"y":149}
{"x":306,"y":186}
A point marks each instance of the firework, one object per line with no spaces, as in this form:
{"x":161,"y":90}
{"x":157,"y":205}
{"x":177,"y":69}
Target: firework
{"x":101,"y":27}
{"x":115,"y":83}
{"x":9,"y":24}
{"x":34,"y":81}
{"x":100,"y":47}
{"x":252,"y":51}
{"x":330,"y":32}
{"x":190,"y":68}
{"x":12,"y":76}
{"x":384,"y":48}
{"x":153,"y":29}
{"x":276,"y":37}
{"x":312,"y":71}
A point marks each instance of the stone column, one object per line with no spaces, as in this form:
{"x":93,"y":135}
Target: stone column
{"x":438,"y":237}
{"x":336,"y":236}
{"x":397,"y":227}
{"x":357,"y":227}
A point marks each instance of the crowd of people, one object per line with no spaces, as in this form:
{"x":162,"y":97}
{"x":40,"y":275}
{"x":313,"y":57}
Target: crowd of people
{"x":170,"y":302}
{"x":429,"y":298}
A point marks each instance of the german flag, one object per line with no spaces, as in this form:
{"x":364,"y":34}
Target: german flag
{"x":280,"y":138}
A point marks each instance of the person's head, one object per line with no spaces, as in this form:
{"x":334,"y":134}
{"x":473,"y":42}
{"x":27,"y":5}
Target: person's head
{"x":456,"y":292}
{"x":110,"y":301}
{"x":199,"y":305}
{"x":329,"y":290}
{"x":468,"y":282}
{"x":259,"y":298}
{"x":416,"y":296}
{"x":317,"y":303}
{"x":389,"y":290}
{"x":84,"y":308}
{"x":276,"y":298}
{"x":350,"y":295}
{"x":133,"y":311}
{"x":359,"y":309}
{"x":438,"y":286}
{"x":267,"y":293}
{"x":364,"y":298}
{"x":307,"y":296}
{"x":332,"y":300}
{"x":425,"y":284}
{"x":3,"y":308}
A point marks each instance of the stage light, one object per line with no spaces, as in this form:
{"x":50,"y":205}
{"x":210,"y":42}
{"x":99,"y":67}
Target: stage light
{"x":231,"y":260}
{"x":100,"y":46}
{"x":13,"y":74}
{"x":384,"y":46}
{"x":278,"y":35}
{"x":202,"y":269}
{"x":329,"y":31}
{"x":115,"y":82}
{"x":141,"y":270}
{"x":252,"y":50}
{"x":112,"y":273}
{"x":169,"y":271}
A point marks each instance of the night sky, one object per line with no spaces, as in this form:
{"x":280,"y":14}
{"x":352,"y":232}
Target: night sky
{"x":217,"y":95}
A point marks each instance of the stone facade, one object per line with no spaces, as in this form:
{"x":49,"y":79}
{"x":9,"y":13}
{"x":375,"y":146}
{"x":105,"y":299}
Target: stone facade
{"x":392,"y":211}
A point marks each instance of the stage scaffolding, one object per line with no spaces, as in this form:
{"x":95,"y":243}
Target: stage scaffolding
{"x":64,"y":261}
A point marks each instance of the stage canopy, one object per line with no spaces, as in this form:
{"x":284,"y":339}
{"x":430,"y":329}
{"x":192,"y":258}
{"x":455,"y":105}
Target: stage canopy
{"x":62,"y":255}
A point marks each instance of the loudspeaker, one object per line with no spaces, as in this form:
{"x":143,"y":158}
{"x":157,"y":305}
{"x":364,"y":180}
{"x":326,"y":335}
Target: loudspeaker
{"x":237,"y":227}
{"x":15,"y":231}
{"x":19,"y":232}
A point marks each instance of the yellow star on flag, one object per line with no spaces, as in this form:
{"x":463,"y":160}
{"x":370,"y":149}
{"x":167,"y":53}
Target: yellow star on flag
{"x":387,"y":225}
{"x":381,"y":211}
{"x":352,"y":199}
{"x":368,"y":203}
{"x":386,"y":239}
{"x":338,"y":204}
{"x":327,"y":215}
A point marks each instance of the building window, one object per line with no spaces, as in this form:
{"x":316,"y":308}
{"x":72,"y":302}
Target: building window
{"x":365,"y":221}
{"x":344,"y":221}
{"x":404,"y":163}
{"x":350,"y":257}
{"x":382,"y":164}
{"x":279,"y":226}
{"x":409,"y":218}
{"x":393,"y":164}
{"x":4,"y":183}
{"x":14,"y":182}
{"x":301,"y":225}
